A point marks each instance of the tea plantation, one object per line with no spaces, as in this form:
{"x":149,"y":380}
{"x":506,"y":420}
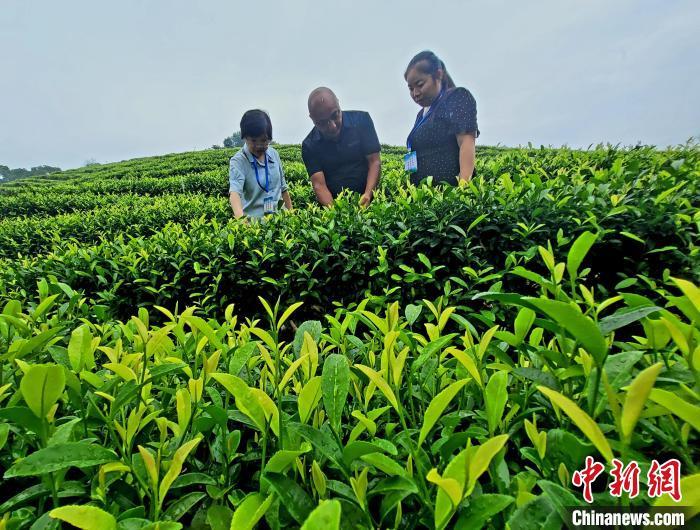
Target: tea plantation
{"x":445,"y":358}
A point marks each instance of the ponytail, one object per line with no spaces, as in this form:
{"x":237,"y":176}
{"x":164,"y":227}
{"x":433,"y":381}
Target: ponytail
{"x":428,"y":63}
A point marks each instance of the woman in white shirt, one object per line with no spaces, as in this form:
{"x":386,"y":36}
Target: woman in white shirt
{"x":256,"y":176}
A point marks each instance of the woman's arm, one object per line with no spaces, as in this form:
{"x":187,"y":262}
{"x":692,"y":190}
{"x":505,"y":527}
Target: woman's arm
{"x":287,"y":200}
{"x":467,"y":154}
{"x":236,"y":205}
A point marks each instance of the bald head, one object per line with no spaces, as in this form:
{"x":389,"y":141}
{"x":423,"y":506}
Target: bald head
{"x":324,"y":111}
{"x":321,"y":99}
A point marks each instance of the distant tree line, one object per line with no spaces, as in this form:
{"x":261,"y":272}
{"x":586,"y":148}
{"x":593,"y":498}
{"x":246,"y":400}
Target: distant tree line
{"x":234,"y":140}
{"x":7,"y":174}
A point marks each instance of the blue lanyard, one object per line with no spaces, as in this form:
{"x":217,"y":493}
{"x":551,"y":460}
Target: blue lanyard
{"x":420,"y":121}
{"x":254,"y":163}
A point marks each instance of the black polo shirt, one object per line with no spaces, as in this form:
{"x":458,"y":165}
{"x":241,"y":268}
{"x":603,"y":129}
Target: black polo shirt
{"x":344,"y":161}
{"x":435,"y":141}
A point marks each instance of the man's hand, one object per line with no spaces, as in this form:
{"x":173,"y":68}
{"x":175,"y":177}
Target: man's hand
{"x":366,"y":198}
{"x":463,"y":182}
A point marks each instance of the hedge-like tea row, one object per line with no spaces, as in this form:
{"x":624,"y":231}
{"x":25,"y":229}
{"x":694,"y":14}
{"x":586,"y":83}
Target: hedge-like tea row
{"x":410,"y":239}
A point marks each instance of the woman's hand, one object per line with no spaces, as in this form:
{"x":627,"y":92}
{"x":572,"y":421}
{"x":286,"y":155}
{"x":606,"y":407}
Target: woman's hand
{"x":365,"y":199}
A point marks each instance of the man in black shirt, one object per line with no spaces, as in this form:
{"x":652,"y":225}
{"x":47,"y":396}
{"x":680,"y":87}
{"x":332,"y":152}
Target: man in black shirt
{"x":341,"y":151}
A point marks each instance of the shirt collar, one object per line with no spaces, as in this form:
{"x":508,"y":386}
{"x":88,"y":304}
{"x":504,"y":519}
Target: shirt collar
{"x":249,"y":156}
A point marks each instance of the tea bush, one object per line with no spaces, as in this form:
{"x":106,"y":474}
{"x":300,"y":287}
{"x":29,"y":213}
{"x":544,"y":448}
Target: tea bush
{"x":446,"y":358}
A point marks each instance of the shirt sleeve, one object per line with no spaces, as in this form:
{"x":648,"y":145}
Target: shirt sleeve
{"x":236,"y":178}
{"x":461,"y":112}
{"x":310,"y":160}
{"x":283,"y":180}
{"x":370,"y":141}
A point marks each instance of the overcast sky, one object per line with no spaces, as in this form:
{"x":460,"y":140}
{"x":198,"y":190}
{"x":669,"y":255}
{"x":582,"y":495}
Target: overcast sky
{"x":86,"y":79}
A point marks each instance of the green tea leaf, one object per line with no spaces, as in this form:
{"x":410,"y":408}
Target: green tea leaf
{"x":37,"y":343}
{"x":80,"y":349}
{"x":381,"y":383}
{"x":637,"y":395}
{"x":176,"y":466}
{"x":450,"y":486}
{"x":322,"y":441}
{"x":523,"y":323}
{"x":42,"y":386}
{"x":578,"y":252}
{"x":291,"y":371}
{"x":250,"y":511}
{"x":688,"y":412}
{"x":162,"y":525}
{"x":326,"y":516}
{"x":85,"y":517}
{"x":246,"y":401}
{"x":287,"y":314}
{"x":4,"y":433}
{"x":468,"y":362}
{"x":149,"y":463}
{"x":496,"y":396}
{"x":282,"y":459}
{"x":538,"y":514}
{"x":240,"y":358}
{"x":44,"y":307}
{"x":690,"y":290}
{"x":562,"y":499}
{"x":481,"y":458}
{"x":312,"y":327}
{"x":538,"y":376}
{"x":582,"y":328}
{"x":183,"y":505}
{"x":582,"y":420}
{"x":61,"y":456}
{"x":624,"y":317}
{"x":335,"y":385}
{"x":198,"y":323}
{"x":481,"y":509}
{"x":395,"y":483}
{"x":451,"y":491}
{"x":189,"y":479}
{"x":309,"y":398}
{"x":437,"y":406}
{"x":384,"y":464}
{"x":23,"y":417}
{"x":358,"y":448}
{"x":412,"y":313}
{"x":219,"y":517}
{"x":291,"y":495}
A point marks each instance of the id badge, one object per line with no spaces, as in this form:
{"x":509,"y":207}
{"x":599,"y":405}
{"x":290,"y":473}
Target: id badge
{"x":410,"y":162}
{"x":268,"y":204}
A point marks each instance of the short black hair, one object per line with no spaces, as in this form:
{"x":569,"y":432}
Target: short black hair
{"x":255,"y":123}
